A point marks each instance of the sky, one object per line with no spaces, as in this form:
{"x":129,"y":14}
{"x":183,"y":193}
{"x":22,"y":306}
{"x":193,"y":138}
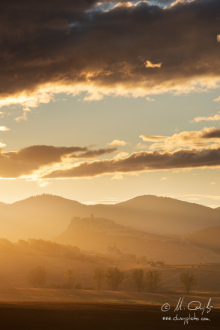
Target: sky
{"x":102,"y":101}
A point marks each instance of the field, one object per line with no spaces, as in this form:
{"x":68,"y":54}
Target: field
{"x":15,"y":268}
{"x":92,"y":316}
{"x":54,"y":306}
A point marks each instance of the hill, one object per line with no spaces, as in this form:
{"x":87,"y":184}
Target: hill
{"x":46,"y":216}
{"x":160,"y":215}
{"x":105,"y":236}
{"x":43,"y":216}
{"x":208,"y":238}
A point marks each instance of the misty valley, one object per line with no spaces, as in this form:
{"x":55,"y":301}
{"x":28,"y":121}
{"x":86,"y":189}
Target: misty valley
{"x":64,"y":266}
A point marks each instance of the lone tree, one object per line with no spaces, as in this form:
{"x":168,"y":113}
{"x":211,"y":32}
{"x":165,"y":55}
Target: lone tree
{"x":153,"y":279}
{"x":114,"y":277}
{"x":137,"y":276}
{"x":98,"y":277}
{"x":37,"y":276}
{"x":70,"y":277}
{"x":188,"y":281}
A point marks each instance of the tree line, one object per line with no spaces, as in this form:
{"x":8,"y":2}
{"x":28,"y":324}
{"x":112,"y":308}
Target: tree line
{"x":114,"y":277}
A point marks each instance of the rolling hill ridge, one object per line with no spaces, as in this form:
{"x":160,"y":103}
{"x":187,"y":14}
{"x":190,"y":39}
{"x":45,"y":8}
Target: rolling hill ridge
{"x":47,"y":216}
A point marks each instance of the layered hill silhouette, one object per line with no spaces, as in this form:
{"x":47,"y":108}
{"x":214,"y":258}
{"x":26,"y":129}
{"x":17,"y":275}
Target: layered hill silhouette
{"x":47,"y":216}
{"x":105,"y":236}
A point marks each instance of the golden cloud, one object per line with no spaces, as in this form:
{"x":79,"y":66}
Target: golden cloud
{"x":210,"y":118}
{"x":149,"y":64}
{"x":130,"y":50}
{"x":205,"y":139}
{"x":186,"y":150}
{"x":117,"y":143}
{"x":34,"y":160}
{"x":141,"y":162}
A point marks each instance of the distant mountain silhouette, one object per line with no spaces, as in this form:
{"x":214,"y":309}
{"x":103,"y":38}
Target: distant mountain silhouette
{"x":46,"y":216}
{"x":160,"y":215}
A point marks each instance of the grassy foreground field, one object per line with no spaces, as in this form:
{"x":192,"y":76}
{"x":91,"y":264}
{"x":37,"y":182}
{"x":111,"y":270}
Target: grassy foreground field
{"x":94,"y":316}
{"x":55,"y":306}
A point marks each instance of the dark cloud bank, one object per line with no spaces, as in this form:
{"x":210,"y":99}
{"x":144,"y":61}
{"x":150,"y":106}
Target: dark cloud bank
{"x":27,"y":160}
{"x":64,"y":41}
{"x":144,"y":161}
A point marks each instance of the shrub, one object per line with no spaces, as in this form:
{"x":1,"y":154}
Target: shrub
{"x":98,"y":277}
{"x":78,"y":286}
{"x":37,"y":276}
{"x":70,"y":277}
{"x":153,"y":279}
{"x":114,"y":277}
{"x":137,"y":276}
{"x":188,"y":281}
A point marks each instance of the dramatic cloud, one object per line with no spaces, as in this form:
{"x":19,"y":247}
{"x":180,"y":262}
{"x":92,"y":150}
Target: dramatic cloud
{"x":211,"y":133}
{"x":199,"y":149}
{"x":28,"y":160}
{"x":143,"y":161}
{"x":137,"y":49}
{"x":205,"y":139}
{"x":25,"y":161}
{"x":117,"y":143}
{"x":211,"y":118}
{"x":194,"y":149}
